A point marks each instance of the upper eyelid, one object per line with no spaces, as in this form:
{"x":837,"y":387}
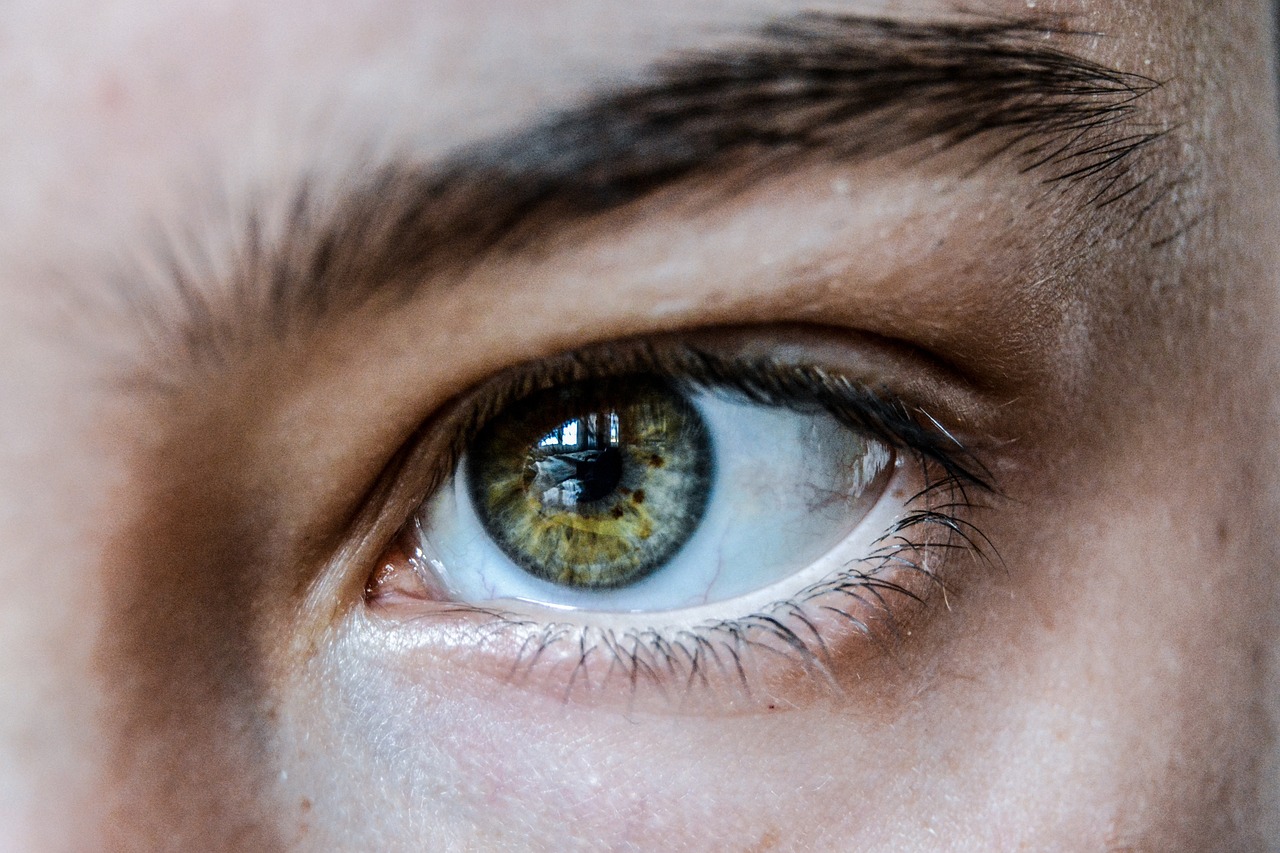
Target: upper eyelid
{"x":759,"y":378}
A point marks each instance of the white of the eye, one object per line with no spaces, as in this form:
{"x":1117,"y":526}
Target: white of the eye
{"x":787,"y":489}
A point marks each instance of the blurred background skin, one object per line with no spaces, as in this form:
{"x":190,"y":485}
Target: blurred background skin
{"x":1112,"y":690}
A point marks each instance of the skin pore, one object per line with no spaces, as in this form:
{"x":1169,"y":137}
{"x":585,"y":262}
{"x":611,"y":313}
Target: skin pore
{"x":256,"y":260}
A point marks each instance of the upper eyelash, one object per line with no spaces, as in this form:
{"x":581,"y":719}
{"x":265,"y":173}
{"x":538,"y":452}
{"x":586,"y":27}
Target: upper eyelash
{"x":879,"y":413}
{"x":765,"y":381}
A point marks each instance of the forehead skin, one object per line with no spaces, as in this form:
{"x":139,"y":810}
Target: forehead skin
{"x":1112,"y":691}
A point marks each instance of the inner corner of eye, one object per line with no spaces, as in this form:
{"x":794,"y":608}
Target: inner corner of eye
{"x":636,"y":494}
{"x":398,"y":578}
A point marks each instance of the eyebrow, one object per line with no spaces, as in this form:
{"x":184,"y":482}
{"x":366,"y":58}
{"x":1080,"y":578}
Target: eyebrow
{"x":807,"y":89}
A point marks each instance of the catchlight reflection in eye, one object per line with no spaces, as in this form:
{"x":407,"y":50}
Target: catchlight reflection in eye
{"x":635,"y":494}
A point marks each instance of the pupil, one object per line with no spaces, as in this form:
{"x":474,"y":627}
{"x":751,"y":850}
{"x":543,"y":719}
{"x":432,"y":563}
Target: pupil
{"x":568,"y":479}
{"x":582,"y":463}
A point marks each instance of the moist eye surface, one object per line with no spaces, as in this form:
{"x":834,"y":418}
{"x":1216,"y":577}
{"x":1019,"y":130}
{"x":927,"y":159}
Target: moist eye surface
{"x":643,"y":492}
{"x":593,"y":485}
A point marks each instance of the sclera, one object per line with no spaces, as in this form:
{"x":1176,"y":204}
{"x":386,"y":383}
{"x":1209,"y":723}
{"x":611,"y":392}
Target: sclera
{"x":789,"y":487}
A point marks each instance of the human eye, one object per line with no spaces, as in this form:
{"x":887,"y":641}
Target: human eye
{"x":718,"y":512}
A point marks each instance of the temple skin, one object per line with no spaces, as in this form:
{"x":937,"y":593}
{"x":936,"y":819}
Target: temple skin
{"x":187,"y":657}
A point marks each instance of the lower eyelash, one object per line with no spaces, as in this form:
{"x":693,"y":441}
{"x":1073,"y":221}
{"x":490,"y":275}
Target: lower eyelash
{"x":859,"y":598}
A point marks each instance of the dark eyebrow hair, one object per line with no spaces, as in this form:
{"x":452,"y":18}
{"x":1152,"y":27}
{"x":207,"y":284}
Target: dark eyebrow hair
{"x":816,"y":87}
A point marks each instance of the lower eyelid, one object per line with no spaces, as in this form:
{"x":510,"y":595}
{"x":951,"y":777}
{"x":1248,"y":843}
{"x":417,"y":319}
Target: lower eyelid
{"x":809,"y":637}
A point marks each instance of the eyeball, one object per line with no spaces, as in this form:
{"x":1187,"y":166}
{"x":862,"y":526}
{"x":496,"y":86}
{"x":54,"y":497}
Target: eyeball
{"x":638,"y":494}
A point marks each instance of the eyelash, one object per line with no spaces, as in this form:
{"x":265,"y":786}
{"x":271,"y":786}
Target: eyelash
{"x":934,"y":524}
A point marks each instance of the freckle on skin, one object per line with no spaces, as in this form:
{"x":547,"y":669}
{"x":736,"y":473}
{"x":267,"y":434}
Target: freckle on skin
{"x":112,"y":95}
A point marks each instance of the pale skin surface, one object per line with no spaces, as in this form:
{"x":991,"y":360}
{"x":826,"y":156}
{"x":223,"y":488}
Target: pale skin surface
{"x":188,"y":660}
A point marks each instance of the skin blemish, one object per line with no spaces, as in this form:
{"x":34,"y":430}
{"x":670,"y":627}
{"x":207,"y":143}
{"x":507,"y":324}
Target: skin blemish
{"x":768,"y":841}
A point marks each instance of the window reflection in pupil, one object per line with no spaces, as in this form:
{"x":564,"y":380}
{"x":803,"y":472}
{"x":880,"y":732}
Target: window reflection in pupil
{"x":579,"y":461}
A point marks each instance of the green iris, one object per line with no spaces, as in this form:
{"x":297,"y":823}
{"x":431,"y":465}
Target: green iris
{"x":594,"y":484}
